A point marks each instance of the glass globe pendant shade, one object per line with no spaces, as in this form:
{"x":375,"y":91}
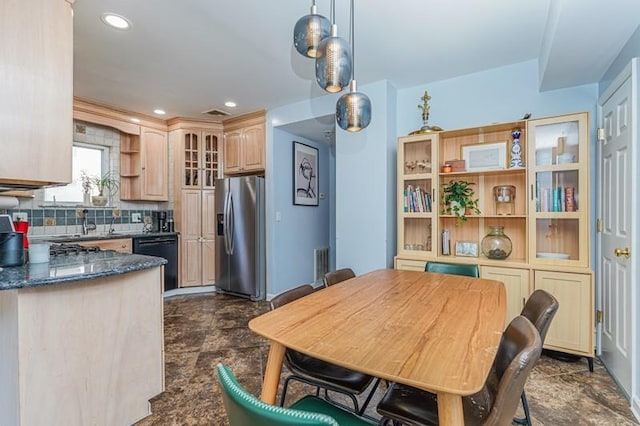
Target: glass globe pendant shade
{"x":353,"y":110}
{"x":333,"y":63}
{"x":309,"y":31}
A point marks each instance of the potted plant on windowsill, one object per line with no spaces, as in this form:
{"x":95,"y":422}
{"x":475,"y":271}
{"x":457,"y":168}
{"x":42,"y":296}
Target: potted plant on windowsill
{"x":458,"y":199}
{"x":107,"y":186}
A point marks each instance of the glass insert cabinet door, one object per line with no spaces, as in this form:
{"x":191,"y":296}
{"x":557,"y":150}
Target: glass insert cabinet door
{"x":559,"y":190}
{"x":417,"y":206}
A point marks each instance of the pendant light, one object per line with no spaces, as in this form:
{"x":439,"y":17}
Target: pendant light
{"x":353,"y":110}
{"x":333,"y":61}
{"x":309,"y":32}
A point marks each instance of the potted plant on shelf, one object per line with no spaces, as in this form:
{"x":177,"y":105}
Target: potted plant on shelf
{"x":458,"y":199}
{"x":105,"y":183}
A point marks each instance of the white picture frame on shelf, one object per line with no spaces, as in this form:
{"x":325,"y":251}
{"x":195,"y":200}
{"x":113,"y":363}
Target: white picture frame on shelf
{"x":467,"y":248}
{"x":485,"y":156}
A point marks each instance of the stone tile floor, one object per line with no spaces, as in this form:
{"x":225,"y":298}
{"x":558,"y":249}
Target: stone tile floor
{"x":204,"y":329}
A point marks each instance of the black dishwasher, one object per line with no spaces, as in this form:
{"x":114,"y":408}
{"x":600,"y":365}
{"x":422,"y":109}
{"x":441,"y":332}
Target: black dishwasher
{"x":161,"y":245}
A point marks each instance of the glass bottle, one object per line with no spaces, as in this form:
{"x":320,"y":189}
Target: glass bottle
{"x":496,"y":245}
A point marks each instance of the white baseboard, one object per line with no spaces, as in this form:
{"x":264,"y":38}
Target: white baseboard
{"x":635,"y":406}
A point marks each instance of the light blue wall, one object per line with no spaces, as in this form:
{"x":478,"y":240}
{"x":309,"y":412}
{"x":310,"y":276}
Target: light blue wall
{"x":493,"y":96}
{"x":365,"y":187}
{"x":363,"y":190}
{"x":630,"y":50}
{"x":301,"y":228}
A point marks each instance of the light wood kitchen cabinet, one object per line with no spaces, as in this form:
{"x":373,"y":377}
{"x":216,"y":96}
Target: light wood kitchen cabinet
{"x":196,"y":147}
{"x":516,"y":283}
{"x":197,"y":232}
{"x":410,"y":265}
{"x":144,"y":166}
{"x":572,"y":327}
{"x":36,"y":92}
{"x":244,"y":144}
{"x":121,"y":245}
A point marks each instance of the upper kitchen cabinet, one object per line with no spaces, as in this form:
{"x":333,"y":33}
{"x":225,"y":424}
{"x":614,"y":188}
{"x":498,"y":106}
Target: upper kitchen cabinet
{"x":144,"y":166}
{"x":36,"y":92}
{"x":197,"y":153}
{"x":244,"y":144}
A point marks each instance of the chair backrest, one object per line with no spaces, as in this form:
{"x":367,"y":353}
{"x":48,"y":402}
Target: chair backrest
{"x":540,"y":309}
{"x":291,"y":295}
{"x":244,"y":409}
{"x":453,"y":269}
{"x":334,"y":277}
{"x":519,"y":350}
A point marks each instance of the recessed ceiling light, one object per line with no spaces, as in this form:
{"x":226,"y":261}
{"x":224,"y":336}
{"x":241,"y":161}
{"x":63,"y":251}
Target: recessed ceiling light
{"x":116,"y":21}
{"x":230,"y":104}
{"x":135,"y":120}
{"x":159,"y":111}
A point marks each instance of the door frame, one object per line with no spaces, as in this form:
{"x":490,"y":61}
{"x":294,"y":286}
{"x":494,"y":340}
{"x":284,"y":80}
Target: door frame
{"x":630,"y":71}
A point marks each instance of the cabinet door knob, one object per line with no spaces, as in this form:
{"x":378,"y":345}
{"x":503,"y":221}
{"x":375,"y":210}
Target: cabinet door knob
{"x":622,"y":252}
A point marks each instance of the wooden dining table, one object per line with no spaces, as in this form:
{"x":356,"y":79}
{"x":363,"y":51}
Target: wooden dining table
{"x":431,"y":331}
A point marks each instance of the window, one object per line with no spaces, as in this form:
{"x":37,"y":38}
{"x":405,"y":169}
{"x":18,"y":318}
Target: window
{"x":93,"y":160}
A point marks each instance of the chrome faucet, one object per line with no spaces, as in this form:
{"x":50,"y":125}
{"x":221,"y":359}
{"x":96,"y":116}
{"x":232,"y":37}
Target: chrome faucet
{"x":87,"y":226}
{"x":111,"y":228}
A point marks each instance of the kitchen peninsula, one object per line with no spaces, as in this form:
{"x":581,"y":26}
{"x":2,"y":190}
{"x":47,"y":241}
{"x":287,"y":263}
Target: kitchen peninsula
{"x":81,"y":340}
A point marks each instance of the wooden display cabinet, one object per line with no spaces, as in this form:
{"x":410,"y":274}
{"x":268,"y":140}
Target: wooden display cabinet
{"x":416,"y":195}
{"x":451,"y":147}
{"x":559,"y":185}
{"x":548,"y":227}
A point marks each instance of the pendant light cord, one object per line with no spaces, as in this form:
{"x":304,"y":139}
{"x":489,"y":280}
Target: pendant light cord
{"x":333,"y":12}
{"x":353,"y":45}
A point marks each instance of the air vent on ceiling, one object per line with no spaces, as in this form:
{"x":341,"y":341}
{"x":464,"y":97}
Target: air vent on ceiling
{"x":216,"y":112}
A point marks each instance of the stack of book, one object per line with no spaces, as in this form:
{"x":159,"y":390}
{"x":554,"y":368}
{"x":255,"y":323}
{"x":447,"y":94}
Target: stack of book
{"x":416,"y":200}
{"x":559,"y":199}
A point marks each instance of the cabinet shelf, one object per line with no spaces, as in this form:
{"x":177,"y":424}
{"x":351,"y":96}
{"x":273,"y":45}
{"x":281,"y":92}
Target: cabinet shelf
{"x":417,"y":176}
{"x":418,"y":215}
{"x":521,"y":170}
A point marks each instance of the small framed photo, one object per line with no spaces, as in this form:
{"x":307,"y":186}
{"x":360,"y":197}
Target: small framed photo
{"x":467,"y":248}
{"x":485,"y":156}
{"x":305,"y":175}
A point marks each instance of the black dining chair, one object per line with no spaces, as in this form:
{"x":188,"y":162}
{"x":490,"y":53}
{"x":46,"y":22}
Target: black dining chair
{"x":334,"y":277}
{"x":540,"y":309}
{"x":494,"y":405}
{"x":318,"y":373}
{"x":465,"y":269}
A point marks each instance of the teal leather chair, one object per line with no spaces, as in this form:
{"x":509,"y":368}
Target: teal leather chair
{"x":453,"y":269}
{"x":244,"y":409}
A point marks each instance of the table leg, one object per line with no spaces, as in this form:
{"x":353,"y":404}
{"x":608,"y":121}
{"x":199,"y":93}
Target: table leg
{"x":272,"y":373}
{"x":450,"y":409}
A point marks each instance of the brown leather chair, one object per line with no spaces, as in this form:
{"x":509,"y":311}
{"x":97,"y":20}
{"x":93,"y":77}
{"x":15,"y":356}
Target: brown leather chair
{"x":494,"y":405}
{"x":540,"y":309}
{"x":334,"y":277}
{"x":321,"y":374}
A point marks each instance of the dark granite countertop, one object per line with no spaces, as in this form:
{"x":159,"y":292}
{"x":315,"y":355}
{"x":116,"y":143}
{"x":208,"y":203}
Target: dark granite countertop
{"x":63,"y":269}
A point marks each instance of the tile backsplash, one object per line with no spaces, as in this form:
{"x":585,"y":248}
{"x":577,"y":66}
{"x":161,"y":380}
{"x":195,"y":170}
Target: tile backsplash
{"x":66,"y":221}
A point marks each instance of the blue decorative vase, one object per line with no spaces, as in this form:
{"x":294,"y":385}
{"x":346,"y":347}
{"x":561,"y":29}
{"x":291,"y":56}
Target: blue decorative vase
{"x":516,"y":150}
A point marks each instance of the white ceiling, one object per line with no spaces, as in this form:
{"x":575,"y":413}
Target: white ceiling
{"x":193,"y":55}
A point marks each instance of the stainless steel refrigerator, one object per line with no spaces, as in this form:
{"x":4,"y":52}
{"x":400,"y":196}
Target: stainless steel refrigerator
{"x":240,"y":237}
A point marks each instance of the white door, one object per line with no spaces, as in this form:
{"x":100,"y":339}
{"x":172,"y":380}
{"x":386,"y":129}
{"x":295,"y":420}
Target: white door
{"x":615,"y":181}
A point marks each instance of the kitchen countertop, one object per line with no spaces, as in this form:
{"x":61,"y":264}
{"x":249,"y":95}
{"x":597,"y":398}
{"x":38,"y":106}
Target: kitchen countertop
{"x":100,"y":236}
{"x":63,"y":269}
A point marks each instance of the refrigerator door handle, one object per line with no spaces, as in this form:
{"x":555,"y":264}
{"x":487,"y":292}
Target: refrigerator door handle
{"x":232,"y":224}
{"x":226,"y":223}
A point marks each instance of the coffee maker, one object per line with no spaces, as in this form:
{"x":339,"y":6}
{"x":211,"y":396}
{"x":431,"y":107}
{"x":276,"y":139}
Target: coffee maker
{"x":159,"y":221}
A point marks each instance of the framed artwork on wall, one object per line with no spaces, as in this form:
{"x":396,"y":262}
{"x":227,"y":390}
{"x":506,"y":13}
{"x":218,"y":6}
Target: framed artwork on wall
{"x":305,"y":175}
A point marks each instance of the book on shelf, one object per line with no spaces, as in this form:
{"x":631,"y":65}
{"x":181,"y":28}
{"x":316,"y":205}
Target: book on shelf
{"x":558,"y":199}
{"x":416,"y":200}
